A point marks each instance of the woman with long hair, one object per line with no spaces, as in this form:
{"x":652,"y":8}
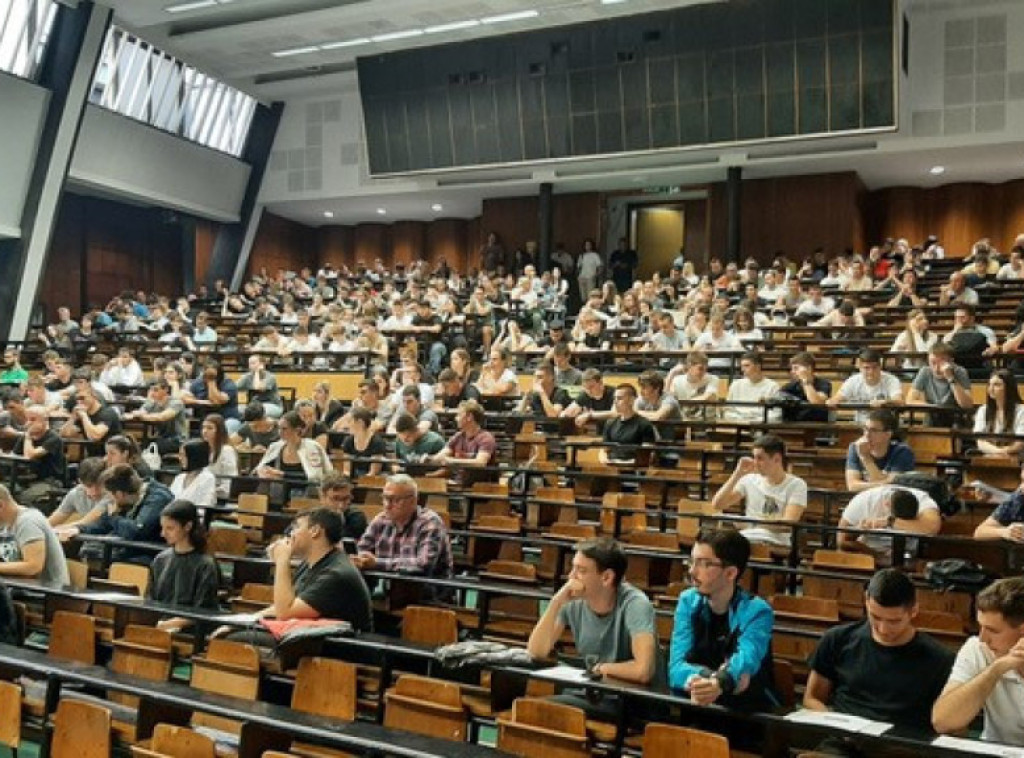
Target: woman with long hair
{"x":462,"y":364}
{"x":364,"y":442}
{"x":122,"y":448}
{"x":183,"y":574}
{"x":196,"y":483}
{"x":294,"y":456}
{"x":223,"y":458}
{"x":1002,"y":413}
{"x":915,"y":338}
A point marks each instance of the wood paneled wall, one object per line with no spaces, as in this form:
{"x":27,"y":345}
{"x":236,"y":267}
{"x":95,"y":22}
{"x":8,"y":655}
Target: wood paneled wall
{"x":958,"y":214}
{"x":101,"y":248}
{"x":280,"y":243}
{"x":792,"y":215}
{"x":574,"y":218}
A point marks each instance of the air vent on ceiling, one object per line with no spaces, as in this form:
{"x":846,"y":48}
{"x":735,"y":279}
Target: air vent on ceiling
{"x":309,"y":72}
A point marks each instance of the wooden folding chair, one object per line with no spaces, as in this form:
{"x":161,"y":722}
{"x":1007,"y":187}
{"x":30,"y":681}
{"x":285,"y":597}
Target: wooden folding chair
{"x":78,"y":571}
{"x":250,"y":506}
{"x":483,"y":547}
{"x":80,"y":730}
{"x":254,"y":597}
{"x":10,"y":716}
{"x":429,"y":626}
{"x":543,"y":514}
{"x":547,"y":566}
{"x":173,"y":741}
{"x":666,"y":741}
{"x":227,"y":541}
{"x":628,"y":522}
{"x":324,"y":687}
{"x":228,"y":668}
{"x":848,"y":593}
{"x":426,"y":706}
{"x":538,"y":728}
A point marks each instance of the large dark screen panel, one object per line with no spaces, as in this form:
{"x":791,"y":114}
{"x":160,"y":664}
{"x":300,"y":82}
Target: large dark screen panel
{"x":745,"y":70}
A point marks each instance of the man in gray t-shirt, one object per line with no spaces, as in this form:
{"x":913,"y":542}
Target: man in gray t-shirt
{"x":31,"y":548}
{"x":610,"y":619}
{"x":943,"y":383}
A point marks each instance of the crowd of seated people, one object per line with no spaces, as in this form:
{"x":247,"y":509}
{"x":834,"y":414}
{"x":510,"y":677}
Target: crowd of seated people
{"x":446,"y":356}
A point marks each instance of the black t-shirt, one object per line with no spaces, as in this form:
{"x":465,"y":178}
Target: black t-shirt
{"x":469,"y":392}
{"x":51,"y":465}
{"x":891,"y":684}
{"x":375,"y":447}
{"x":797,"y":413}
{"x":634,"y":431}
{"x":558,"y":397}
{"x":603,"y":403}
{"x":189,"y":579}
{"x":336,"y":590}
{"x":104,"y":415}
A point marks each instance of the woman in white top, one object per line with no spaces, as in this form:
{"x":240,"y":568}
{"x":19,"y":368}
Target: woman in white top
{"x":916,"y":338}
{"x":294,"y":456}
{"x":196,"y":482}
{"x":223,"y":458}
{"x":744,"y":329}
{"x":496,"y":378}
{"x":1002,"y":413}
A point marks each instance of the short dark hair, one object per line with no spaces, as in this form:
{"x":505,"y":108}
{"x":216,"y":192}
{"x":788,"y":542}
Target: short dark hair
{"x":254,"y":411}
{"x":405,"y":422}
{"x":448,"y":375}
{"x":412,"y":390}
{"x":1004,"y":596}
{"x":121,"y":478}
{"x":891,"y":588}
{"x":328,"y":520}
{"x":91,"y":470}
{"x":606,"y":553}
{"x":903,"y":504}
{"x":474,"y":409}
{"x":886,"y":418}
{"x":867,"y":355}
{"x":628,"y":387}
{"x":728,"y":545}
{"x":335,"y":480}
{"x":771,"y":444}
{"x":652,"y":379}
{"x":803,"y":359}
{"x":753,"y":356}
{"x":967,"y":308}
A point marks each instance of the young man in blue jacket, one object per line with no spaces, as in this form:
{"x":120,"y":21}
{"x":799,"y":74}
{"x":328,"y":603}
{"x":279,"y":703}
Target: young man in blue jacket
{"x":722,"y":635}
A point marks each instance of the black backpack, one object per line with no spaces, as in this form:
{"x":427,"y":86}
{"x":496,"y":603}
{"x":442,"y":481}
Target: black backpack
{"x":969,"y":346}
{"x":957,"y":574}
{"x":937,"y":489}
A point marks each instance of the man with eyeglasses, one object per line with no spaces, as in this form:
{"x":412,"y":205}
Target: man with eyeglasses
{"x":405,"y":537}
{"x":336,"y":494}
{"x":721,"y":637}
{"x":876,"y":458}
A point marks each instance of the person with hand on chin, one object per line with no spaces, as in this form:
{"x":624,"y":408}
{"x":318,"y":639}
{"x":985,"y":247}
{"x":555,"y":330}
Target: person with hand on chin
{"x":610,"y":619}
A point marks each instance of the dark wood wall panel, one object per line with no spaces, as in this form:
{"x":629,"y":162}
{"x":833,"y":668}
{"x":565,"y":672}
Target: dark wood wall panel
{"x":372,"y":241}
{"x":283,"y":244}
{"x":337,"y":246}
{"x":695,"y":213}
{"x":101,"y":248}
{"x":959,"y":214}
{"x":408,"y":242}
{"x":447,"y":239}
{"x":206,"y":237}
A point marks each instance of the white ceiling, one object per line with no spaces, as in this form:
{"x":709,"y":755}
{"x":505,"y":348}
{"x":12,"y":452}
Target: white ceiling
{"x":236,"y":39}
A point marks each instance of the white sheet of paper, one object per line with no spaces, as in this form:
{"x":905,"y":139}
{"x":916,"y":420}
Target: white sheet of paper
{"x":563,"y":673}
{"x":112,"y":596}
{"x":844,"y":721}
{"x":237,"y":619}
{"x":977,"y":746}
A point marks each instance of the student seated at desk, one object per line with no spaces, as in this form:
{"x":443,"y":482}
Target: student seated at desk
{"x":258,"y":431}
{"x":876,"y":458}
{"x":183,"y":574}
{"x":612,"y":622}
{"x":30,"y":549}
{"x":123,"y":448}
{"x":326,"y":585}
{"x":721,"y":638}
{"x":1001,"y":413}
{"x":133,"y":513}
{"x":405,"y":537}
{"x":752,"y":387}
{"x":1007,"y":521}
{"x":44,"y":451}
{"x":627,"y":429}
{"x":889,"y":507}
{"x":496,"y":377}
{"x":870,"y":386}
{"x":545,"y":398}
{"x":196,"y":483}
{"x":986,"y":675}
{"x":336,"y":495}
{"x":294,"y":456}
{"x":223,"y":457}
{"x":595,"y":403}
{"x":92,"y":420}
{"x":87,"y":500}
{"x":880,"y":668}
{"x":472,"y":446}
{"x":768,"y":491}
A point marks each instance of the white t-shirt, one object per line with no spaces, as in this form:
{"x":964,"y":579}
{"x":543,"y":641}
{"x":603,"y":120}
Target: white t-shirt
{"x":707,"y":343}
{"x":856,"y":390}
{"x":981,"y":420}
{"x":872,"y":504}
{"x":588,"y":265}
{"x":1004,"y":706}
{"x":744,"y":391}
{"x":767,"y":501}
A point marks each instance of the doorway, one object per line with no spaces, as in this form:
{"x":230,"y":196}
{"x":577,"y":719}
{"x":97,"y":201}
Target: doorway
{"x":657,"y":233}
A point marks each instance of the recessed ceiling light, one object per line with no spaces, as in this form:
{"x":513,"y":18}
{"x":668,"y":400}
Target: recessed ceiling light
{"x":518,"y":16}
{"x":382,"y":211}
{"x":346,"y":43}
{"x":295,"y":51}
{"x":328,"y":214}
{"x":192,"y":6}
{"x":437,"y":207}
{"x":612,"y":2}
{"x":455,"y":25}
{"x":406,"y":33}
{"x":937,"y":170}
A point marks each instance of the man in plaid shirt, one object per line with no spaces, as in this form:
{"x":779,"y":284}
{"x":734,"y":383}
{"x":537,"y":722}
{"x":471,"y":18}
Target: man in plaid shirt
{"x":405,"y":537}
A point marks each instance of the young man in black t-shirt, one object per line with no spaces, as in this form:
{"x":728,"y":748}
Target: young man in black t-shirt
{"x":627,"y":429}
{"x":880,"y":668}
{"x":92,"y":420}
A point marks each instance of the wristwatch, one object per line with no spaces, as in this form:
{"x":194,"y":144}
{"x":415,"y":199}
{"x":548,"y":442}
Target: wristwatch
{"x":725,"y":681}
